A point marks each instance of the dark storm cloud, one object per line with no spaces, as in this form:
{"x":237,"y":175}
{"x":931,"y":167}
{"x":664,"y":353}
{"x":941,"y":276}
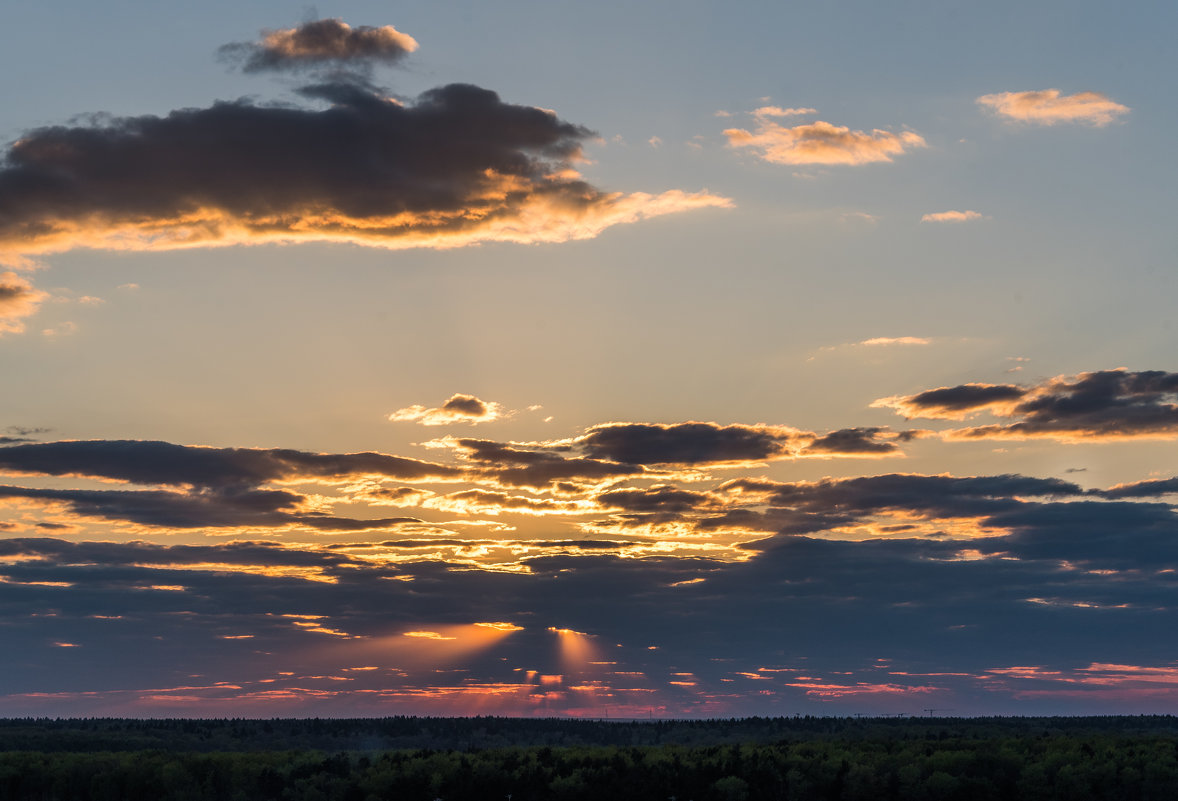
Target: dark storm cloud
{"x":153,"y":462}
{"x":1107,"y":404}
{"x":690,"y":443}
{"x":325,"y":42}
{"x":454,"y":167}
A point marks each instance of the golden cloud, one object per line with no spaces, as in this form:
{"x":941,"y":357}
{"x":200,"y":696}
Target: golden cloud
{"x":822,"y":143}
{"x":1049,"y":106}
{"x":18,"y":299}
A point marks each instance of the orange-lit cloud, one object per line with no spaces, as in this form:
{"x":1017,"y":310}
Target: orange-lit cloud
{"x":459,"y":408}
{"x":822,"y":143}
{"x":884,"y":341}
{"x":1050,"y":106}
{"x":319,"y":43}
{"x":455,"y":167}
{"x":18,"y":299}
{"x":951,"y":216}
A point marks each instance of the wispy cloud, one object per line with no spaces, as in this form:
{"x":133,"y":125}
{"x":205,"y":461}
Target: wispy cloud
{"x":1050,"y":106}
{"x":951,"y":216}
{"x":778,"y":111}
{"x":885,"y":341}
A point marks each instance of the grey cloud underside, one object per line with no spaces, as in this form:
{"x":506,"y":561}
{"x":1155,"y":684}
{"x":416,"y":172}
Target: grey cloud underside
{"x":270,"y":168}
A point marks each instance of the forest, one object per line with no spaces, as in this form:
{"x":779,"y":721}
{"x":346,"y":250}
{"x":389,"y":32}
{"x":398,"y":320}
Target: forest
{"x":454,"y":759}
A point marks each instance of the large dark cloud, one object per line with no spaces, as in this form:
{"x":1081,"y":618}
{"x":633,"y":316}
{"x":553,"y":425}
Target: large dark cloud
{"x":325,"y":42}
{"x":1106,"y":404}
{"x":455,"y":166}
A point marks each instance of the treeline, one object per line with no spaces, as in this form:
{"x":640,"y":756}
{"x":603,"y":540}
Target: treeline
{"x":369,"y":734}
{"x":1020,"y":768}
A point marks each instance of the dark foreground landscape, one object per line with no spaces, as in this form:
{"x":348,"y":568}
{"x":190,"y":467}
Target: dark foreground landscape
{"x":421,"y":759}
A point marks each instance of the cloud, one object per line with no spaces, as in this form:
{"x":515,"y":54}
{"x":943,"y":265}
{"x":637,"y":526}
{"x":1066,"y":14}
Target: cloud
{"x":513,"y":465}
{"x":822,"y":143}
{"x":884,"y":341}
{"x":458,"y":409}
{"x":18,"y":299}
{"x":455,"y":167}
{"x":1103,"y":405}
{"x":163,"y":463}
{"x":952,"y":403}
{"x":854,"y":442}
{"x":951,"y":216}
{"x":322,"y":42}
{"x":690,"y":443}
{"x":778,"y":111}
{"x":200,"y":509}
{"x":1048,"y":107}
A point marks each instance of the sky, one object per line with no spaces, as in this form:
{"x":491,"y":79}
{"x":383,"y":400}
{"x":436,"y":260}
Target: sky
{"x":677,"y":359}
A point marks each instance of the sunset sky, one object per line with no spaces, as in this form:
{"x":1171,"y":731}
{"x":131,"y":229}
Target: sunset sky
{"x":671,"y":359}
